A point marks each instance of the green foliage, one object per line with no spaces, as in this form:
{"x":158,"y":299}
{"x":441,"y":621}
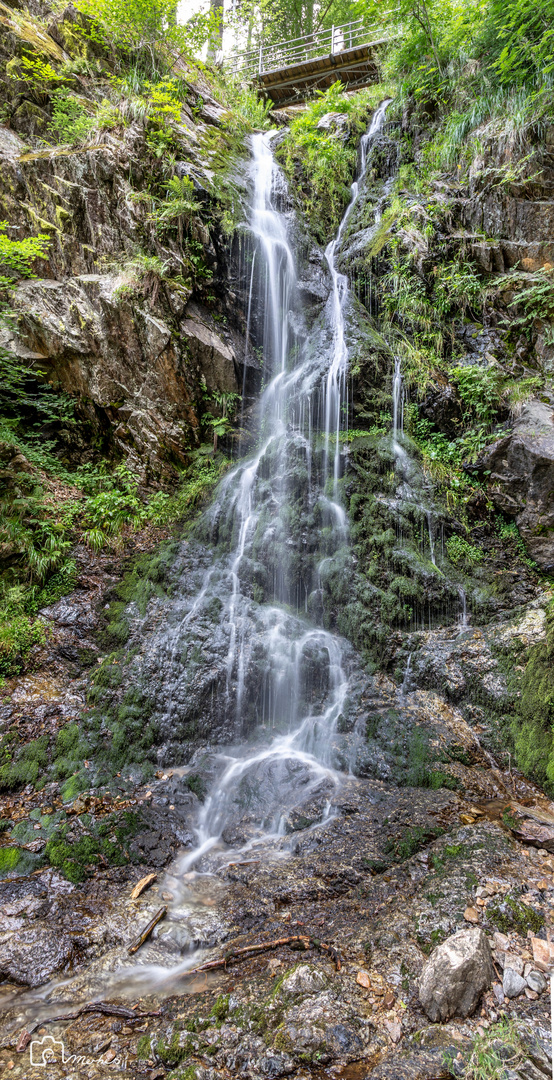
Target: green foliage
{"x":493,"y":1052}
{"x":519,"y":39}
{"x":318,"y":162}
{"x":21,"y":765}
{"x":19,"y":256}
{"x":145,"y":33}
{"x":533,"y":722}
{"x":461,"y":552}
{"x":420,"y":769}
{"x":18,"y":635}
{"x":71,"y":121}
{"x":107,"y":512}
{"x":179,"y":206}
{"x":196,"y":784}
{"x":9,"y":859}
{"x":409,"y":842}
{"x":33,"y":70}
{"x":511,"y":914}
{"x":106,"y":843}
{"x":479,"y":391}
{"x":164,"y":106}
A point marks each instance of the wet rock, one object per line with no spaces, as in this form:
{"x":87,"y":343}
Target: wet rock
{"x":304,"y":980}
{"x":455,"y":976}
{"x":520,"y":471}
{"x":214,"y":358}
{"x":32,"y":956}
{"x":512,"y":983}
{"x":274,"y":1065}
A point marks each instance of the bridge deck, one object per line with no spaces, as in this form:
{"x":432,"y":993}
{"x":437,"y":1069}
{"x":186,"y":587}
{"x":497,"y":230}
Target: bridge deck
{"x":355,"y":68}
{"x":288,"y":71}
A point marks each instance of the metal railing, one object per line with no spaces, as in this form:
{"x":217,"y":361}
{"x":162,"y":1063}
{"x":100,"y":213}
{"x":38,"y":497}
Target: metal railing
{"x":334,"y":39}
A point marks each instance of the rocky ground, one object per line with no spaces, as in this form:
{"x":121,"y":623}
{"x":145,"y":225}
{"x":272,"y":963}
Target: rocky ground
{"x":390,"y":875}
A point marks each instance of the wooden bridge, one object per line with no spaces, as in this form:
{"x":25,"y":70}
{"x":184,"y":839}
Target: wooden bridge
{"x":289,"y":71}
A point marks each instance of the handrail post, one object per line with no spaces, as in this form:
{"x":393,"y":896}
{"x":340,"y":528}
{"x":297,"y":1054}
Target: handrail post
{"x":332,"y":40}
{"x":260,"y":61}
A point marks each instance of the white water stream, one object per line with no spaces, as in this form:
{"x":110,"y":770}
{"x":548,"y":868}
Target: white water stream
{"x":303,"y":685}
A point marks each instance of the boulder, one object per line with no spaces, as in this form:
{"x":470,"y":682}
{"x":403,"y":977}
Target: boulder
{"x":520,"y":471}
{"x":456,"y":974}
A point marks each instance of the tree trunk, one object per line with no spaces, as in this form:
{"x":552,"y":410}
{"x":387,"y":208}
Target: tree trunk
{"x":216,"y":39}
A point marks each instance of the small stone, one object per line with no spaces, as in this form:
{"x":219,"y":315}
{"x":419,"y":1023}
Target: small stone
{"x":388,"y":1000}
{"x":501,"y":941}
{"x":531,"y":994}
{"x":498,"y":993}
{"x":471,"y":915}
{"x":480,"y":902}
{"x":535,"y":981}
{"x":512,"y":983}
{"x":362,"y":979}
{"x":467,"y":819}
{"x":543,"y":953}
{"x":394,"y":1029}
{"x":510,"y":960}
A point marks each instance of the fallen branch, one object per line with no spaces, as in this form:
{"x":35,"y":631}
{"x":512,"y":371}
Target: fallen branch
{"x":147,"y":931}
{"x":142,"y":885}
{"x":251,"y":950}
{"x":91,"y":1007}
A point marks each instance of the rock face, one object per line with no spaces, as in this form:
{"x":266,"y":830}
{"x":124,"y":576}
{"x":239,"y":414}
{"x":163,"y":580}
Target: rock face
{"x":139,"y":366}
{"x":520,"y":470}
{"x":456,"y":975}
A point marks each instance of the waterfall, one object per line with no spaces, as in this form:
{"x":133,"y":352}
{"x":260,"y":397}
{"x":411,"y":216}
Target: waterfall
{"x":276,"y":525}
{"x":463,"y":617}
{"x":397,"y":409}
{"x":336,"y":376}
{"x":289,"y":672}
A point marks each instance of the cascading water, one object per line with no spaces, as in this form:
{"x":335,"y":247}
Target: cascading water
{"x":336,"y":376}
{"x":279,"y":675}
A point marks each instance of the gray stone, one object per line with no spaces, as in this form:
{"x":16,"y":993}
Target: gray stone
{"x":456,"y":974}
{"x":304,"y":980}
{"x":512,"y":983}
{"x":520,"y":471}
{"x":537,"y":982}
{"x":215,"y":359}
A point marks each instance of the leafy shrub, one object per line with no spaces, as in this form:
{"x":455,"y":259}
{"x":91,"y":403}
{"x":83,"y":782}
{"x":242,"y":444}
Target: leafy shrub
{"x":19,"y":256}
{"x":460,"y":550}
{"x":479,"y":390}
{"x":71,"y":122}
{"x":17,"y":637}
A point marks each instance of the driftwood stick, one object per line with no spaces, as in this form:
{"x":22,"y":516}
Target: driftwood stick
{"x":91,"y":1007}
{"x":147,"y":931}
{"x":250,"y":950}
